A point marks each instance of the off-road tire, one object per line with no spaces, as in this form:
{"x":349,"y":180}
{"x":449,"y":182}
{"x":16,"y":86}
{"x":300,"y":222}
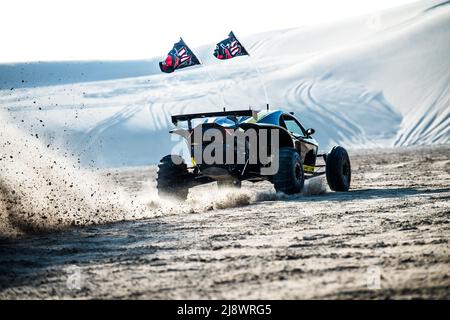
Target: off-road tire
{"x":290,"y":176}
{"x":172,"y":177}
{"x":338,"y":169}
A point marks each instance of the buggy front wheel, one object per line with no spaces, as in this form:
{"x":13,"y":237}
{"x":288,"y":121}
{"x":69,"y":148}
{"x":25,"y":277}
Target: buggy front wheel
{"x":338,"y":169}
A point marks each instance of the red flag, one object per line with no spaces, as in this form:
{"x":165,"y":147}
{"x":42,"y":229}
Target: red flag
{"x":229,"y":48}
{"x":178,"y":58}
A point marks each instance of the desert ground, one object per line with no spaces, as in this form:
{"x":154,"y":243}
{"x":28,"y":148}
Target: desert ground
{"x":386,"y":238}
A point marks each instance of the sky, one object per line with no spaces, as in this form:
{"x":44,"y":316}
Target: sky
{"x":53,"y":30}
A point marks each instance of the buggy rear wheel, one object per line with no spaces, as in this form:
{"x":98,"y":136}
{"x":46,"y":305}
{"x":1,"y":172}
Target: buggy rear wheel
{"x":290,"y":176}
{"x":172,"y":179}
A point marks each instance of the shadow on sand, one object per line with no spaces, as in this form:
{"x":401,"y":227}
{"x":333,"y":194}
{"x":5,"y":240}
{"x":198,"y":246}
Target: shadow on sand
{"x":364,"y":194}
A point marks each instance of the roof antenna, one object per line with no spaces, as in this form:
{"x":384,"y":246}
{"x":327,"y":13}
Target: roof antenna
{"x":267,"y":107}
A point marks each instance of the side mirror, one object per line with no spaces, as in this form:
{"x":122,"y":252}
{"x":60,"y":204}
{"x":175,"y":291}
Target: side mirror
{"x":310,"y":132}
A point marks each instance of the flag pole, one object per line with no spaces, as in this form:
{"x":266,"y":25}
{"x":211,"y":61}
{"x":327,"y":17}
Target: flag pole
{"x":259,"y":74}
{"x":213,"y":80}
{"x":260,"y":79}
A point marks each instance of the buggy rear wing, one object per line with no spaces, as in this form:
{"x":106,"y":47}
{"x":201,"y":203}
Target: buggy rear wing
{"x":237,"y":113}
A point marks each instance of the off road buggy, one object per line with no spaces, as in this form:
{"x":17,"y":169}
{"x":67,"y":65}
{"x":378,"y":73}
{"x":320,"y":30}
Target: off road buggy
{"x":293,"y":146}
